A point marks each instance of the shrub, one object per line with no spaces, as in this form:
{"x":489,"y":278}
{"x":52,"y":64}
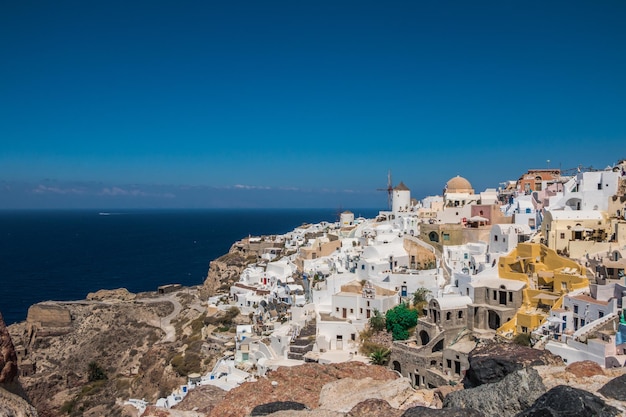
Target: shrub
{"x":377,"y":321}
{"x":95,"y":372}
{"x":399,"y":320}
{"x":522,"y":339}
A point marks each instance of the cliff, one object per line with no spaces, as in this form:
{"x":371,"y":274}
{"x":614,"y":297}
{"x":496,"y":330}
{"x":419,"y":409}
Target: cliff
{"x":224,"y":272}
{"x":11,"y":404}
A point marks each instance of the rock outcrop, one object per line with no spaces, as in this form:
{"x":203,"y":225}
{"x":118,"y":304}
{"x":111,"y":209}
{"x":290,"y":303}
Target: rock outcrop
{"x":506,"y":398}
{"x":615,"y":388}
{"x":445,"y":412}
{"x":12,"y":405}
{"x":269,"y":408}
{"x":223,"y":272}
{"x":373,"y":408}
{"x":8,"y":357}
{"x":121,"y":294}
{"x":491,"y":363}
{"x":564,"y":401}
{"x":584,"y":369}
{"x":344,"y":394}
{"x":49,"y":315}
{"x":301,"y":383}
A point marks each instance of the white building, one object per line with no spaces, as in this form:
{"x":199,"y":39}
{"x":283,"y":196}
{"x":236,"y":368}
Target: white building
{"x":357,"y":301}
{"x":503,"y":238}
{"x":588,"y":191}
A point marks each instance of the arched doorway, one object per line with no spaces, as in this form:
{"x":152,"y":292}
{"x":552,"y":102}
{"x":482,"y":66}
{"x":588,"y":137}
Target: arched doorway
{"x":494,"y":320}
{"x":396,"y":366}
{"x":424,"y":337}
{"x":433,"y":237}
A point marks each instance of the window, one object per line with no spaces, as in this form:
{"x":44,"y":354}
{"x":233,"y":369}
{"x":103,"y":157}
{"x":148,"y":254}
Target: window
{"x":460,"y":314}
{"x":337,"y":309}
{"x":600,"y":186}
{"x":449,"y":363}
{"x":363,"y":266}
{"x":495,"y":238}
{"x":361,"y":311}
{"x":495,"y":295}
{"x":448,"y":315}
{"x":353,"y":336}
{"x":511,"y":296}
{"x":446,"y":236}
{"x":562,"y":235}
{"x":524,"y":329}
{"x":351,"y":310}
{"x":465,"y":256}
{"x":600,"y":314}
{"x":368,"y":303}
{"x":575,"y":309}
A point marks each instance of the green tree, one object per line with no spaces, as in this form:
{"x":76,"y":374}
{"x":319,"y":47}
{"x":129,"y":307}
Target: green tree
{"x":399,"y":320}
{"x":377,"y":321}
{"x":380,"y":356}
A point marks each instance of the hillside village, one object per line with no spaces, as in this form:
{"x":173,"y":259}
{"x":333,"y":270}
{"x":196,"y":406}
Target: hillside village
{"x":541,"y":257}
{"x":540,"y":260}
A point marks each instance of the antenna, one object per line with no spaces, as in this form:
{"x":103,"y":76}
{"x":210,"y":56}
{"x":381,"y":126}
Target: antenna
{"x":389,"y":190}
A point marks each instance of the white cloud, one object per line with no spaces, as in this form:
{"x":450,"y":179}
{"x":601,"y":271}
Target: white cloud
{"x":252,"y":187}
{"x":117,"y":191}
{"x":44,"y":189}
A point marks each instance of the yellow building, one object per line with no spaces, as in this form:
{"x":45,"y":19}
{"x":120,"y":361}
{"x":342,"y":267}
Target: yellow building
{"x":548,"y":277}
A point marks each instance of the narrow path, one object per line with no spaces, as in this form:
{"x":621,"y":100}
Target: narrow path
{"x":165,"y":323}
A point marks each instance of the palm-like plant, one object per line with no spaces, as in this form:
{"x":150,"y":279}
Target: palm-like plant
{"x":380,"y":356}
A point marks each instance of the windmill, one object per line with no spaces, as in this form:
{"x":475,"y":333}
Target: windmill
{"x":389,"y":190}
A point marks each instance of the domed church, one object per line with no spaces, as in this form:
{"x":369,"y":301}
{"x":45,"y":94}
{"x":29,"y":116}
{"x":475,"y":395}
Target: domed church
{"x":458,"y":185}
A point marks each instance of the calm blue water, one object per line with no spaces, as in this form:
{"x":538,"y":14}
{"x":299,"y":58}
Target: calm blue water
{"x":63,"y":255}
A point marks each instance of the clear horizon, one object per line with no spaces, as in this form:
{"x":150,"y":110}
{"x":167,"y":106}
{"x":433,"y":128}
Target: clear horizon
{"x":307,"y":104}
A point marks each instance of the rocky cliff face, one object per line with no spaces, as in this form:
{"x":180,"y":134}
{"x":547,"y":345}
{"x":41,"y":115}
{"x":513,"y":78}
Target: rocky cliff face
{"x":223,"y":272}
{"x":11,"y":404}
{"x":8,"y":357}
{"x":131,"y":339}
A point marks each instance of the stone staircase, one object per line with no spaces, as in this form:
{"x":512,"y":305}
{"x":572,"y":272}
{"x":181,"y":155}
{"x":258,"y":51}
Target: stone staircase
{"x":304,"y":342}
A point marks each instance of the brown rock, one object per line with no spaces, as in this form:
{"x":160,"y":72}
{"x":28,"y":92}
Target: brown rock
{"x":13,"y":405}
{"x":49,"y":315}
{"x":585,"y":369}
{"x":299,"y":383}
{"x":374,"y":408}
{"x":223,"y":272}
{"x":441,"y":392}
{"x":344,"y":394}
{"x":8,"y":357}
{"x":118,"y":294}
{"x":202,"y":399}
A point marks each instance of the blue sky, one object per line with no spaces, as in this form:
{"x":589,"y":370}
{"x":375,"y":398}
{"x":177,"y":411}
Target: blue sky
{"x":300,"y":103}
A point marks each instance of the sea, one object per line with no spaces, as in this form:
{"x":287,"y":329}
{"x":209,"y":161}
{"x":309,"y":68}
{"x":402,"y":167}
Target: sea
{"x":63,"y":255}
